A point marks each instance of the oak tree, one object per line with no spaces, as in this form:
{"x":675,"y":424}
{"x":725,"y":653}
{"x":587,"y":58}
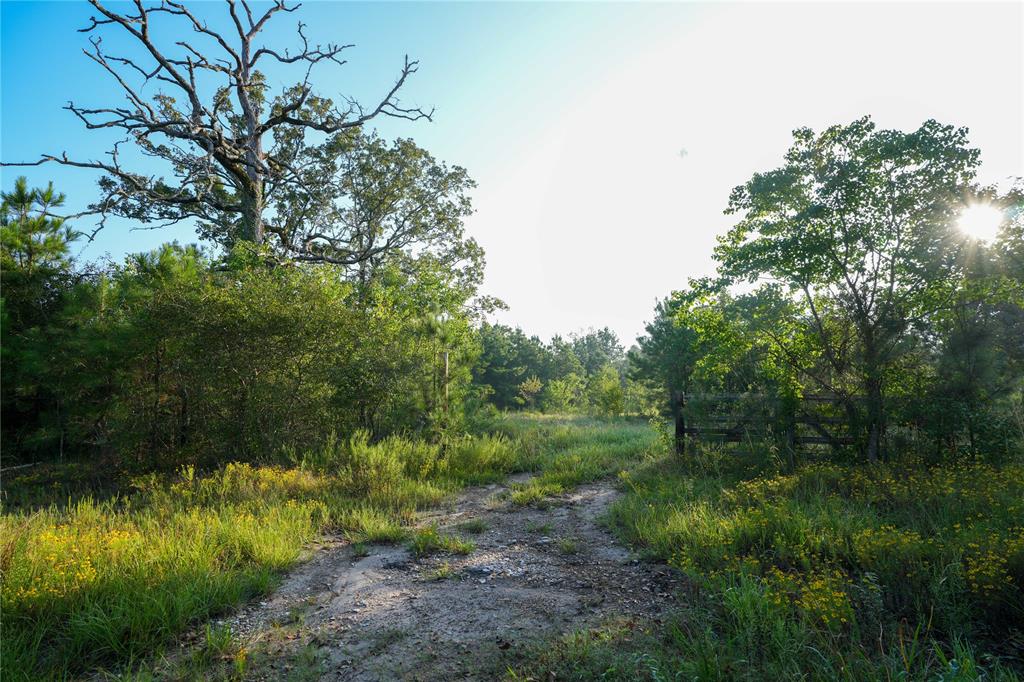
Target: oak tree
{"x":245,"y":163}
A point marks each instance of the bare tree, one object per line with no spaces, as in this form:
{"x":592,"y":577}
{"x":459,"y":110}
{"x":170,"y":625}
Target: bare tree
{"x":232,"y":153}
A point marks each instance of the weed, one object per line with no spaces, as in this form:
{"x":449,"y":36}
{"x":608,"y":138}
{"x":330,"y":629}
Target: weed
{"x":105,"y":581}
{"x":442,"y":572}
{"x":428,"y":540}
{"x":568,"y":546}
{"x":895,"y":571}
{"x":473,"y":526}
{"x":534,"y":493}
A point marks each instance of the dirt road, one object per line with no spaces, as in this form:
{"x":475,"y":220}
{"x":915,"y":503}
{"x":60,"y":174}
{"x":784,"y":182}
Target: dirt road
{"x":535,"y":573}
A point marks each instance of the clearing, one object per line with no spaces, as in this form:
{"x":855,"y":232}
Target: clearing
{"x":379,"y":612}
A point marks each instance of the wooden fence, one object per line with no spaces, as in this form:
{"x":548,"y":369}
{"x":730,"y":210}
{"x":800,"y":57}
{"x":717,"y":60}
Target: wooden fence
{"x":734,"y":417}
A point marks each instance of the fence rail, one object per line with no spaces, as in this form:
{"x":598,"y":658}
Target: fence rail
{"x":800,"y":424}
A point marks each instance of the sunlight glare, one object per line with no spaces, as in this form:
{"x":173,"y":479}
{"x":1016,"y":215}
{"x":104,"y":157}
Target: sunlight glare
{"x":980,"y":221}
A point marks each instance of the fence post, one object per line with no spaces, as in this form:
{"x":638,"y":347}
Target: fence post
{"x":790,"y":404}
{"x":678,"y":401}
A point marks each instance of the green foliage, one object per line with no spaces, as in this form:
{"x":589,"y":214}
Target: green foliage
{"x":520,"y":372}
{"x":429,"y":540}
{"x":485,"y":459}
{"x":876,"y":300}
{"x":528,"y":392}
{"x":171,"y":358}
{"x":896,"y":571}
{"x":596,"y":349}
{"x":858,"y":225}
{"x":665,"y":355}
{"x":368,"y":202}
{"x":35,"y":273}
{"x":605,"y":391}
{"x":564,"y":394}
{"x":34,"y":243}
{"x":849,"y":559}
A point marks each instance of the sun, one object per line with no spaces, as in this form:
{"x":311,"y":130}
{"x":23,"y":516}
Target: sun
{"x":980,"y":221}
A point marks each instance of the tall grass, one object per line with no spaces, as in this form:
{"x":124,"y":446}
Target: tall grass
{"x":101,"y":583}
{"x":831,"y":571}
{"x":569,"y":451}
{"x":97,"y":584}
{"x":111,"y":581}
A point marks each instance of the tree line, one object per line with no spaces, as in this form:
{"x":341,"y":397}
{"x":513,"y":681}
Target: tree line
{"x":585,"y":372}
{"x":183,"y":355}
{"x":334,"y":277}
{"x":336,"y":288}
{"x":846,"y":275}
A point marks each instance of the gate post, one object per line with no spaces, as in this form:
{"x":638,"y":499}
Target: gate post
{"x":678,"y":401}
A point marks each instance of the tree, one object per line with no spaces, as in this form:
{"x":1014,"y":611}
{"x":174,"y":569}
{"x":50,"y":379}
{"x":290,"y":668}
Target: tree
{"x":33,"y":250}
{"x":606,"y":393}
{"x":665,"y":356}
{"x":529,"y":390}
{"x":509,"y":357}
{"x":705,"y":340}
{"x":35,"y":276}
{"x":246,"y":166}
{"x":564,"y":393}
{"x":364,"y":200}
{"x":858,"y":226}
{"x":597,"y":348}
{"x":974,"y":355}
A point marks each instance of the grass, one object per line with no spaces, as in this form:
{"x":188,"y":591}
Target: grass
{"x":219,"y":657}
{"x":569,"y":451}
{"x":429,"y":540}
{"x":442,"y":572}
{"x":473,"y":526}
{"x":830,"y":571}
{"x":92,"y":585}
{"x":102,"y":572}
{"x":383,"y":639}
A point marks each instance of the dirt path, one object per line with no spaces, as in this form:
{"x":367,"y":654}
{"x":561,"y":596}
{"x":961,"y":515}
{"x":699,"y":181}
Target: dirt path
{"x":534,"y":573}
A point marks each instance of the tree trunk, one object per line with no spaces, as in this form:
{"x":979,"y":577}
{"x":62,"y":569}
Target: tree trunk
{"x":155,"y":408}
{"x":876,"y":418}
{"x":183,"y":418}
{"x":251,"y":228}
{"x":679,"y":419}
{"x":785,"y":417}
{"x":873,"y":395}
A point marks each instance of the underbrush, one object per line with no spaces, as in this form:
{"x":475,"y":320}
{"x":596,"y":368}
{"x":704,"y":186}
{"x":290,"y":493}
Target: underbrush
{"x":834,"y":571}
{"x":93,"y":583}
{"x":570,"y":451}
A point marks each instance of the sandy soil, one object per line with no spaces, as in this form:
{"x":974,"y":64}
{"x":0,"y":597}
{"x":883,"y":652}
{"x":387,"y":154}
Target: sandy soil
{"x":535,"y":573}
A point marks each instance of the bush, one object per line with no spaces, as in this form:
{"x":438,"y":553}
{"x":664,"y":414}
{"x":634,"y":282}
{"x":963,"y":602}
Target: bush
{"x":858,"y":562}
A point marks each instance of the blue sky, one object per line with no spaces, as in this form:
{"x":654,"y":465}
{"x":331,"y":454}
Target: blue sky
{"x":604,"y":137}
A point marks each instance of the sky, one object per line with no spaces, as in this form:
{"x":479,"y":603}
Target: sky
{"x":604,"y":138}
